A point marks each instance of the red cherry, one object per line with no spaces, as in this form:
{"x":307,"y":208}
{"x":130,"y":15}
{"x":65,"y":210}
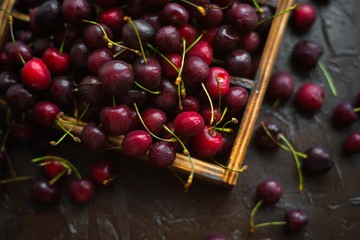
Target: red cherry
{"x":44,"y":113}
{"x":208,"y":143}
{"x":56,"y":61}
{"x":310,"y":97}
{"x":188,"y":124}
{"x":203,"y":50}
{"x":218,"y":79}
{"x":52,"y":168}
{"x":35,"y":74}
{"x":303,"y":16}
{"x":82,"y":190}
{"x":102,"y":171}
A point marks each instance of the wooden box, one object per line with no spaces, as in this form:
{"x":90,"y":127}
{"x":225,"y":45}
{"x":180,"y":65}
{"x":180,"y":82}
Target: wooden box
{"x":205,"y":170}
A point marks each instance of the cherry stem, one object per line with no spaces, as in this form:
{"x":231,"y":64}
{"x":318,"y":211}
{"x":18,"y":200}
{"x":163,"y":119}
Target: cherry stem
{"x":185,"y":152}
{"x":302,"y":155}
{"x":253,"y":212}
{"x":210,"y":102}
{"x":146,"y":89}
{"x":194,"y":43}
{"x":163,"y":56}
{"x":201,"y":9}
{"x":61,"y":49}
{"x":356,"y":109}
{"x":257,"y":7}
{"x":222,"y":129}
{"x":13,"y":39}
{"x":297,"y":162}
{"x":276,"y":103}
{"x":278,"y":14}
{"x":107,"y":181}
{"x":179,"y":81}
{"x":148,"y":130}
{"x":242,"y":169}
{"x":16,"y":179}
{"x":222,"y":116}
{"x":328,"y":78}
{"x":233,"y":120}
{"x":129,"y":20}
{"x":62,"y":161}
{"x":57,"y":177}
{"x":267,"y":224}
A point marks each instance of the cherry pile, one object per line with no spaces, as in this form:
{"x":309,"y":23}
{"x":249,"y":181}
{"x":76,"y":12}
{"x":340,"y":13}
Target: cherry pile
{"x":157,"y":73}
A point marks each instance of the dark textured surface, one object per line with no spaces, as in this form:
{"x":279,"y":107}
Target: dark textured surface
{"x":143,"y":203}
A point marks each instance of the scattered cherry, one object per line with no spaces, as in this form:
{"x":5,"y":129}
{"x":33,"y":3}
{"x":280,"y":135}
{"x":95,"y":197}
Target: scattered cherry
{"x":351,"y":144}
{"x":344,"y":114}
{"x":303,"y":16}
{"x":82,"y":190}
{"x":43,"y":192}
{"x":310,"y":97}
{"x":318,"y":161}
{"x":296,"y":219}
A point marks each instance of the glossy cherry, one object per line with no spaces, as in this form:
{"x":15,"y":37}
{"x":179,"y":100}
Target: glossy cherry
{"x":281,"y":86}
{"x":136,"y":143}
{"x":344,"y":114}
{"x":93,"y":137}
{"x":35,"y":74}
{"x":318,"y":161}
{"x":74,"y":11}
{"x":82,"y":190}
{"x":154,"y":119}
{"x":188,"y":124}
{"x":351,"y":143}
{"x":218,"y":82}
{"x":43,"y":192}
{"x":102,"y":171}
{"x":207,"y":144}
{"x":310,"y":97}
{"x":270,"y":191}
{"x":306,"y":54}
{"x":262,"y":138}
{"x":56,"y":61}
{"x":45,"y":113}
{"x":161,"y":154}
{"x":115,"y":120}
{"x":296,"y":219}
{"x":303,"y":17}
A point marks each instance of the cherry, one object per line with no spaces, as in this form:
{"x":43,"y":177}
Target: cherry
{"x":74,"y":11}
{"x":188,"y":124}
{"x":93,"y":137}
{"x":43,"y":192}
{"x":19,"y":98}
{"x":269,"y":191}
{"x":45,"y":113}
{"x":56,"y":61}
{"x":79,"y":53}
{"x":147,"y":74}
{"x":97,"y":58}
{"x":136,"y":143}
{"x":226,"y":39}
{"x":115,"y":120}
{"x":161,"y":154}
{"x":303,"y":16}
{"x":218,"y":82}
{"x":262,"y":138}
{"x":207,"y":113}
{"x":135,"y":8}
{"x":61,"y":91}
{"x":113,"y":18}
{"x":7,"y":79}
{"x":250,"y":41}
{"x":203,"y":50}
{"x":174,"y":14}
{"x":90,"y":90}
{"x":154,"y":119}
{"x":167,"y":98}
{"x":236,"y":99}
{"x":216,"y":236}
{"x":82,"y":190}
{"x":310,"y":97}
{"x":243,"y":17}
{"x":237,"y":62}
{"x":133,"y":96}
{"x":168,"y":71}
{"x":15,"y":50}
{"x":306,"y":54}
{"x":318,"y":161}
{"x":190,"y":103}
{"x":195,"y":71}
{"x":153,"y":19}
{"x":94,"y":35}
{"x":208,"y":143}
{"x":66,"y":37}
{"x":281,"y":86}
{"x":102,"y":171}
{"x":351,"y":144}
{"x":167,"y":39}
{"x":145,"y":31}
{"x":344,"y":114}
{"x":35,"y":74}
{"x":52,"y":168}
{"x":296,"y":219}
{"x":187,"y":32}
{"x":116,"y":77}
{"x":48,"y":17}
{"x":213,"y":17}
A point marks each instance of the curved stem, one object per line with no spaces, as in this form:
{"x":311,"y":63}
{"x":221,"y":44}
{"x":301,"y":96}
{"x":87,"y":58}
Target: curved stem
{"x":253,"y":212}
{"x":13,"y":39}
{"x":16,"y":179}
{"x":356,"y":109}
{"x":257,"y":7}
{"x":242,"y":169}
{"x":328,"y":78}
{"x":210,"y":102}
{"x":164,"y":57}
{"x":267,"y":224}
{"x":57,"y":177}
{"x":145,"y":89}
{"x":137,"y":35}
{"x":278,"y":14}
{"x":298,"y":166}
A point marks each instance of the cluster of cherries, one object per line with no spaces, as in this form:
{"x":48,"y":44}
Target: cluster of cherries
{"x":156,"y":72}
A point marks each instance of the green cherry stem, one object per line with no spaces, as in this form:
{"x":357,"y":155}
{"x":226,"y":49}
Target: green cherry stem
{"x":210,"y":102}
{"x":57,"y":177}
{"x":129,"y":20}
{"x":257,"y":7}
{"x":147,"y":90}
{"x":194,"y":43}
{"x":278,"y":14}
{"x":163,"y":56}
{"x":16,"y":179}
{"x":201,"y":9}
{"x":328,"y":78}
{"x":297,"y":162}
{"x":61,"y":49}
{"x":302,"y":155}
{"x":242,"y":169}
{"x":62,"y":161}
{"x":356,"y":109}
{"x":13,"y":38}
{"x":253,"y":213}
{"x":267,"y":224}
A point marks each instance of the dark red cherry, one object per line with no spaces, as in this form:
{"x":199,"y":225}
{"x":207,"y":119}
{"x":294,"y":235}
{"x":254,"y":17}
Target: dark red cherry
{"x":93,"y":137}
{"x":306,"y":54}
{"x":168,"y":97}
{"x":187,"y":32}
{"x":147,"y":74}
{"x":195,"y":71}
{"x":351,"y":144}
{"x":213,"y":17}
{"x":74,"y":11}
{"x":102,"y":171}
{"x":270,"y":191}
{"x":263,"y":139}
{"x":113,"y":18}
{"x":45,"y":113}
{"x":237,"y":62}
{"x":236,"y":99}
{"x":226,"y":39}
{"x":61,"y":91}
{"x":153,"y":19}
{"x":139,"y":97}
{"x":94,"y":36}
{"x":79,"y":53}
{"x":207,"y":144}
{"x":130,"y":37}
{"x":296,"y":219}
{"x":13,"y":52}
{"x":7,"y":79}
{"x":154,"y":119}
{"x":318,"y":161}
{"x":281,"y":86}
{"x":35,"y":74}
{"x":303,"y":16}
{"x":190,"y":103}
{"x":48,"y":17}
{"x":52,"y":168}
{"x":82,"y":190}
{"x":97,"y":58}
{"x":188,"y":124}
{"x":41,"y":45}
{"x":43,"y":192}
{"x":116,"y":77}
{"x":244,"y":18}
{"x":136,"y":143}
{"x":206,"y":112}
{"x":161,"y":154}
{"x":218,"y":82}
{"x":90,"y":90}
{"x":250,"y":42}
{"x":174,"y":14}
{"x":167,"y":70}
{"x":57,"y":62}
{"x":19,"y":98}
{"x":310,"y":97}
{"x":115,"y":120}
{"x":167,"y":39}
{"x":344,"y":114}
{"x":216,"y":236}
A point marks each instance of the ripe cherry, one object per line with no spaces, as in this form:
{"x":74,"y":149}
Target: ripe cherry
{"x":167,"y":39}
{"x":74,"y":11}
{"x":154,"y":119}
{"x":303,"y":16}
{"x":147,"y":74}
{"x":296,"y":219}
{"x":207,"y":144}
{"x":226,"y":39}
{"x":218,"y":82}
{"x":203,"y":50}
{"x":188,"y":124}
{"x":236,"y":99}
{"x":351,"y":144}
{"x":115,"y":120}
{"x":35,"y":74}
{"x":310,"y":97}
{"x":45,"y":113}
{"x":344,"y":114}
{"x":281,"y":86}
{"x":161,"y":154}
{"x":52,"y":168}
{"x":43,"y":192}
{"x":102,"y":171}
{"x":270,"y":191}
{"x":263,"y":139}
{"x":306,"y":54}
{"x":174,"y":14}
{"x":136,"y":143}
{"x":19,"y":98}
{"x":113,"y":18}
{"x":57,"y":62}
{"x":93,"y":137}
{"x":82,"y":190}
{"x":318,"y":161}
{"x":237,"y":62}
